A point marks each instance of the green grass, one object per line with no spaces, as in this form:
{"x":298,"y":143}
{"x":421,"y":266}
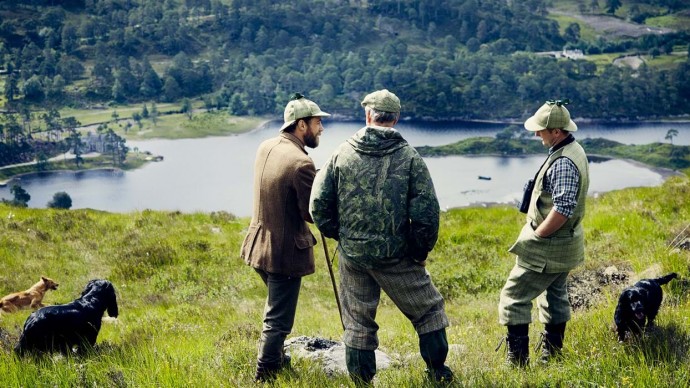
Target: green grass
{"x":668,"y":62}
{"x":190,"y":309}
{"x":674,"y":21}
{"x":97,"y":116}
{"x":179,"y":126}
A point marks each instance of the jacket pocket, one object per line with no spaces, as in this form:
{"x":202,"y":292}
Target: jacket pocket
{"x":305,"y":241}
{"x":533,"y":251}
{"x":249,"y":240}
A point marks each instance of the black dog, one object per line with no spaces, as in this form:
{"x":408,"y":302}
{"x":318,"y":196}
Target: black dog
{"x":638,"y":305}
{"x":77,"y":323}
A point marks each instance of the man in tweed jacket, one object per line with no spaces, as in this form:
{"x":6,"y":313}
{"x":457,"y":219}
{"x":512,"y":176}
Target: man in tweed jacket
{"x":551,"y":242}
{"x":279,"y":243}
{"x":375,"y":196}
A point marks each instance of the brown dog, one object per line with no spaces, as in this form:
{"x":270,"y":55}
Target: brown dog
{"x":29,"y":298}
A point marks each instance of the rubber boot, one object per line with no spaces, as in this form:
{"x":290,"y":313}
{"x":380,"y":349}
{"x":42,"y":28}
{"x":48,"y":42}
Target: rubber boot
{"x":268,"y":371}
{"x":552,"y":341}
{"x":433,"y":347}
{"x":361,"y":365}
{"x":518,"y":345}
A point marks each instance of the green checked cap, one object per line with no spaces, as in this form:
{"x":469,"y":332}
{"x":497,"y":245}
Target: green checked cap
{"x":382,"y":100}
{"x":551,"y":115}
{"x":299,"y":108}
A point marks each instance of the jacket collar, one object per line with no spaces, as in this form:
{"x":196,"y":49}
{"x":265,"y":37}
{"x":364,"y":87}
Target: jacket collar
{"x":295,"y":140}
{"x":562,"y":144}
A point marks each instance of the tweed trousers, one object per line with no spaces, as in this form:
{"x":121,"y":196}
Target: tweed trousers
{"x":523,"y":286}
{"x":407,"y":284}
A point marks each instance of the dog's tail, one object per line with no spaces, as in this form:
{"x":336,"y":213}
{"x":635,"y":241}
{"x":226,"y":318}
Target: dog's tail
{"x":665,"y":279}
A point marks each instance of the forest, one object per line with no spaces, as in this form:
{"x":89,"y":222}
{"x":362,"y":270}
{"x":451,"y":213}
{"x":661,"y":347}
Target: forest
{"x":446,"y":59}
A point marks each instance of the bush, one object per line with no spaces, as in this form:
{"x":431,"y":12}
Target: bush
{"x":61,"y":200}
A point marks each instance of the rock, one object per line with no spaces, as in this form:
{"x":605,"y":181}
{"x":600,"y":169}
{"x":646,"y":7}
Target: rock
{"x":330,"y":353}
{"x":611,"y":271}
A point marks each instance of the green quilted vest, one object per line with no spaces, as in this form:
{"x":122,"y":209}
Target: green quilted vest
{"x":564,"y":249}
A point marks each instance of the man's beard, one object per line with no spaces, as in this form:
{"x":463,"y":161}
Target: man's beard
{"x":311,"y":140}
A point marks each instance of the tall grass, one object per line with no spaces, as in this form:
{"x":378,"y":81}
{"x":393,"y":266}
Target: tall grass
{"x":190,"y":310}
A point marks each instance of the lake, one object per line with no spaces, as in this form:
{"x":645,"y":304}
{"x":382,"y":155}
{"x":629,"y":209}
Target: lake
{"x":215,"y":174}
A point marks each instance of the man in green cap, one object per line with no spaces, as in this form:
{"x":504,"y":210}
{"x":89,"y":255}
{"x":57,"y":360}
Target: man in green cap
{"x":279,"y":243}
{"x":375,"y":196}
{"x":551,"y":242}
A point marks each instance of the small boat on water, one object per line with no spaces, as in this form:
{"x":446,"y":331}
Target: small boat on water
{"x":485,"y":178}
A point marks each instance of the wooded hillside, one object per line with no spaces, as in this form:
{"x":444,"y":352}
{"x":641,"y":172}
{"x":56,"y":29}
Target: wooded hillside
{"x":446,"y":59}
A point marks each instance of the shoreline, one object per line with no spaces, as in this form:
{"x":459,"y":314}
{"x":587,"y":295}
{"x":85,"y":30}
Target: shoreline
{"x":18,"y":177}
{"x":519,"y":121}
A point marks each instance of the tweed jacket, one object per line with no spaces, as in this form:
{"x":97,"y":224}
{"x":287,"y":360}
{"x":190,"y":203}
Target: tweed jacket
{"x":279,"y":240}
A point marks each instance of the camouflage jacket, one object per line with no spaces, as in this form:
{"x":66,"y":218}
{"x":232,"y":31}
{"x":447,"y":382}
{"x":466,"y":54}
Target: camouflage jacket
{"x":375,"y":196}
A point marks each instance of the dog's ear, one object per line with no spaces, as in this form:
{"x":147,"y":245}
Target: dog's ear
{"x":113,"y":310}
{"x":45,"y":280}
{"x":88,"y":287}
{"x":624,"y":299}
{"x":622,"y":306}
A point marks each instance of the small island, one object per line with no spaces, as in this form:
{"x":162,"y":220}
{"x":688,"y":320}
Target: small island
{"x":508,"y":143}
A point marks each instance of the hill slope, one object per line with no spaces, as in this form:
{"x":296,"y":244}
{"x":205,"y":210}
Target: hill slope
{"x":190,"y":310}
{"x":446,"y":59}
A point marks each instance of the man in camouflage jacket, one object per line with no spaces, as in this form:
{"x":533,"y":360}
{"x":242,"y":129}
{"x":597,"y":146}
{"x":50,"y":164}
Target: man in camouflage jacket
{"x":375,"y":196}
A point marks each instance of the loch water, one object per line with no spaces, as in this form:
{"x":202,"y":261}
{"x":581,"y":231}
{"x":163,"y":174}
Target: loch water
{"x":215,"y":174}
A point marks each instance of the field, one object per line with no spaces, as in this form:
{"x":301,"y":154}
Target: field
{"x":190,"y":310}
{"x":179,"y":126}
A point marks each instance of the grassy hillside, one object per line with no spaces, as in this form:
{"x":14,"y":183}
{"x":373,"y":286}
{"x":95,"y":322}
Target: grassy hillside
{"x":190,"y":310}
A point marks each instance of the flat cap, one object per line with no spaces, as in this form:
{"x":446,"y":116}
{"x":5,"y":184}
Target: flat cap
{"x":382,"y":100}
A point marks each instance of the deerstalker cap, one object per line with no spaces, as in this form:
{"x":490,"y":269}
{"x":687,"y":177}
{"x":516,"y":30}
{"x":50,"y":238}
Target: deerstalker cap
{"x":553,"y":114}
{"x":298,"y":108}
{"x":382,"y":100}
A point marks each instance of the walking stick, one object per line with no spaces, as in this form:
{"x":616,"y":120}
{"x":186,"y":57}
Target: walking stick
{"x":330,"y":272}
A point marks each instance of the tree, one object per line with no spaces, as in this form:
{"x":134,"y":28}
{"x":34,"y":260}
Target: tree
{"x":75,"y":143}
{"x":171,"y":89}
{"x":116,"y":146}
{"x":187,"y":108}
{"x":33,"y":89}
{"x":21,"y":197}
{"x":53,"y":123}
{"x":154,"y":114}
{"x":671,"y":134}
{"x":572,"y":32}
{"x":612,"y":6}
{"x":11,"y":129}
{"x":151,"y":83}
{"x":136,"y":116}
{"x":61,"y":200}
{"x":11,"y":88}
